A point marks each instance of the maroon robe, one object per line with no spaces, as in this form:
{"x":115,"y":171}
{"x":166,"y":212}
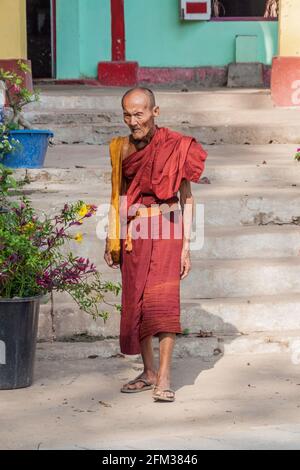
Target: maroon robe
{"x":151,"y":271}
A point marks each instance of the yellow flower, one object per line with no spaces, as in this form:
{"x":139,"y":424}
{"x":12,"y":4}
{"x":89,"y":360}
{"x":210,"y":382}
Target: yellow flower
{"x":78,"y":237}
{"x":83,"y":210}
{"x":92,"y":208}
{"x":28,"y":227}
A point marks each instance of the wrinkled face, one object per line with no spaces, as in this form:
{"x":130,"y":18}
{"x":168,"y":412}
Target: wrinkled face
{"x":139,"y":115}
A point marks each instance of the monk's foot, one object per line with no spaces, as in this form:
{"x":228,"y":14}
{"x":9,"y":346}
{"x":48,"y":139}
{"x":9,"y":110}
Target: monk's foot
{"x":162,"y":390}
{"x":145,"y":381}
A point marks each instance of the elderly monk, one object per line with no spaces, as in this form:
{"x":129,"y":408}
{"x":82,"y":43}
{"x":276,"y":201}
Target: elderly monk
{"x":153,"y":164}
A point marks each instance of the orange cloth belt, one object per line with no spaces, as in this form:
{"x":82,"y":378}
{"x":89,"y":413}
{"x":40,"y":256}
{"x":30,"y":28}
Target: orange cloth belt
{"x":148,"y":212}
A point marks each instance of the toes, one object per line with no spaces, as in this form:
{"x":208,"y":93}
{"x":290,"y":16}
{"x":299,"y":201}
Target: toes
{"x":159,"y":393}
{"x":133,"y":387}
{"x":136,"y":386}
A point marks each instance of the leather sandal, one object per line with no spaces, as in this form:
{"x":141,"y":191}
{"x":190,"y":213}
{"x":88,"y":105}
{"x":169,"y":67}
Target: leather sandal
{"x":147,"y":386}
{"x":158,"y":395}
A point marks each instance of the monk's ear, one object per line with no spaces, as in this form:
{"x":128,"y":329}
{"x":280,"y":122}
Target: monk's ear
{"x":156,"y":111}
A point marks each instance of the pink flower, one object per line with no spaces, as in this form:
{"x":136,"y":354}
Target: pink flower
{"x":15,"y":89}
{"x":75,"y":223}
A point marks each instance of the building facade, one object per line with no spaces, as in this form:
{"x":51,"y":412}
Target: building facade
{"x":151,"y":40}
{"x":66,"y":39}
{"x":155,"y":36}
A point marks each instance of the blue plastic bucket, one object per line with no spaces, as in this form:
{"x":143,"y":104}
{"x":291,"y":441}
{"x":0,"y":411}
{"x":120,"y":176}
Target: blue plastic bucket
{"x":31,"y":150}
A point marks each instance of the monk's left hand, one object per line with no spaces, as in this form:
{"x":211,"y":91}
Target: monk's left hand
{"x":185,"y":263}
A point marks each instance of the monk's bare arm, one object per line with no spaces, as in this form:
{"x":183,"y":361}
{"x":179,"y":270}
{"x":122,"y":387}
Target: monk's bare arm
{"x":187,"y":207}
{"x":123,"y":187}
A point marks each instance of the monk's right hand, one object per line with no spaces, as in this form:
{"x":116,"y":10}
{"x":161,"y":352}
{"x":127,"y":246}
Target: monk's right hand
{"x":109,"y":260}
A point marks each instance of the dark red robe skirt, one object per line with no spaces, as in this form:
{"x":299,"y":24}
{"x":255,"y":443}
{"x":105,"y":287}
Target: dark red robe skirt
{"x":151,"y":282}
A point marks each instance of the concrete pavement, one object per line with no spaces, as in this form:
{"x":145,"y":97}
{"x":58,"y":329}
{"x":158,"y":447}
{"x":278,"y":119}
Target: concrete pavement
{"x":232,"y":402}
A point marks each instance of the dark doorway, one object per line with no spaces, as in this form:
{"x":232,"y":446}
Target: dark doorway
{"x":242,"y":8}
{"x":39,"y":37}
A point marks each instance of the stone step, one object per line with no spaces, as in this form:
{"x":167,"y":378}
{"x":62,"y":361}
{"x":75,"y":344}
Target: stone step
{"x":267,"y":342}
{"x":171,"y":117}
{"x":220,"y":241}
{"x":280,"y":132}
{"x":216,"y":174}
{"x":261,"y":133}
{"x":242,"y":315}
{"x":223,"y":205}
{"x":70,"y":156}
{"x":95,"y":156}
{"x":235,"y":164}
{"x":225,"y":163}
{"x":76,"y":116}
{"x":94,"y":116}
{"x":259,"y":173}
{"x":219,"y":316}
{"x":270,"y":241}
{"x":84,"y":97}
{"x":193,"y":347}
{"x":221,"y":116}
{"x":212,"y":279}
{"x":251,"y":205}
{"x":66,"y":176}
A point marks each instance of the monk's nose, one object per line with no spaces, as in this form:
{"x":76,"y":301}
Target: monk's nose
{"x":133,"y":121}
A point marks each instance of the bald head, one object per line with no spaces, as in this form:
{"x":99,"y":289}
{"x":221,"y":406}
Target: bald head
{"x":140,"y":111}
{"x":140,"y":94}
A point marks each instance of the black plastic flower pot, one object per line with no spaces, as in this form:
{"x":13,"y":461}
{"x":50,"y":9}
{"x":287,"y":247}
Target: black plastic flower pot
{"x":18,"y":335}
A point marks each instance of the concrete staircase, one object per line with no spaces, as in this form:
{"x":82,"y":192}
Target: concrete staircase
{"x":244,"y":287}
{"x":245,"y":283}
{"x":214,"y":116}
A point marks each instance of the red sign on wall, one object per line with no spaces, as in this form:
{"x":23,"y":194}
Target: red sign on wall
{"x":285,"y":81}
{"x":195,"y":9}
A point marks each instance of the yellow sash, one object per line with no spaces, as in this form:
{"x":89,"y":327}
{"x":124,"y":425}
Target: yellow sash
{"x":113,"y":238}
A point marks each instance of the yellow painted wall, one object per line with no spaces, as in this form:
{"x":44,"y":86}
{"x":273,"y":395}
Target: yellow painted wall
{"x":289,"y":31}
{"x":13,"y":36}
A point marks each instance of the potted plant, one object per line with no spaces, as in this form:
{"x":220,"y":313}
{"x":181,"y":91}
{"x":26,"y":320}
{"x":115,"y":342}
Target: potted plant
{"x":8,"y":144}
{"x":35,"y":260}
{"x":33,"y":143}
